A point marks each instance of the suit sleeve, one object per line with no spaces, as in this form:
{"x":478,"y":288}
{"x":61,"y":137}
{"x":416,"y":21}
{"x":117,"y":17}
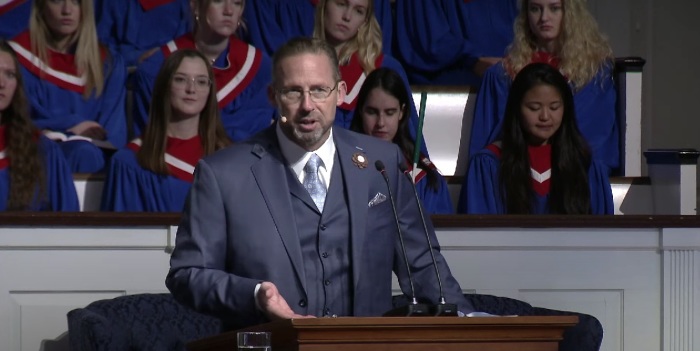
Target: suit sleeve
{"x":418,"y":252}
{"x":197,"y":276}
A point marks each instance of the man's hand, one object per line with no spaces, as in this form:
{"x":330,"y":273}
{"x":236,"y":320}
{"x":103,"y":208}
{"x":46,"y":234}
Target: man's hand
{"x":273,"y":304}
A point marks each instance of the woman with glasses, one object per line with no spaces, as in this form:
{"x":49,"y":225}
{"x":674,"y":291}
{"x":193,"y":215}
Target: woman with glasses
{"x":241,"y":72}
{"x":272,"y":22}
{"x":34,"y":174}
{"x":382,"y":111}
{"x":154,"y":172}
{"x":75,"y":85}
{"x":352,"y":29}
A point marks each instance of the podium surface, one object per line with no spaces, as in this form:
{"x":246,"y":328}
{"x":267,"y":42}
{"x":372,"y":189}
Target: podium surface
{"x":539,"y":333}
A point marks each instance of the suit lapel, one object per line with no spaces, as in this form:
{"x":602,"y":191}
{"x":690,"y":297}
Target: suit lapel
{"x":269,"y":173}
{"x":356,"y":186}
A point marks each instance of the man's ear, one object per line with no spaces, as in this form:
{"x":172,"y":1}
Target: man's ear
{"x":342,"y":92}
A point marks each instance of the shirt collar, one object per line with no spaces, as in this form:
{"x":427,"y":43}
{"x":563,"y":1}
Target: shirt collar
{"x":296,"y":156}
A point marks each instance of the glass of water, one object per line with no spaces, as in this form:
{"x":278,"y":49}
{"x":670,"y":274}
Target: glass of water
{"x":254,"y":341}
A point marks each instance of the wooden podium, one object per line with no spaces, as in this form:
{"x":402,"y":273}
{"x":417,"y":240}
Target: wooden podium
{"x":405,"y":334}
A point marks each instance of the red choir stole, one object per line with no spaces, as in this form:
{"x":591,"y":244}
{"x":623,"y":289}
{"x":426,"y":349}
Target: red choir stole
{"x":540,"y":158}
{"x":4,"y":160}
{"x":545,"y":57}
{"x":243,"y":64}
{"x":354,"y":76}
{"x":149,"y":5}
{"x":422,"y":172}
{"x":7,"y":5}
{"x":181,"y":156}
{"x":60,"y":70}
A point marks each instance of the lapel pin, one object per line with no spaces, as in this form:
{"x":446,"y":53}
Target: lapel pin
{"x":360,"y":160}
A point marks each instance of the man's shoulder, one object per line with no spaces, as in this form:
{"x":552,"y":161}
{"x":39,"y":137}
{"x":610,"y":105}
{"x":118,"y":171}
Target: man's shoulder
{"x":364,"y":142}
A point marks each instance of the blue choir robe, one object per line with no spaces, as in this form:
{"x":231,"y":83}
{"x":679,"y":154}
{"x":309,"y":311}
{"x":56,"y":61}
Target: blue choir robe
{"x":242,"y":74}
{"x":55,"y":92}
{"x":271,"y":23}
{"x":439,"y":41}
{"x":354,"y":77}
{"x":435,"y":201}
{"x":596,"y":114}
{"x":132,"y":27}
{"x":481,"y":193}
{"x":131,"y":188}
{"x":60,"y":194}
{"x":14,"y":17}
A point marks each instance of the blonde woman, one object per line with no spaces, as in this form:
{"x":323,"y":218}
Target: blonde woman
{"x":563,"y":34}
{"x":272,"y":22}
{"x":351,"y":28}
{"x":241,"y":71}
{"x":75,"y":86}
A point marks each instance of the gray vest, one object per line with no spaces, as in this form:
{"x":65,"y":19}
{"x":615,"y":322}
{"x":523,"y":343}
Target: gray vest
{"x":325,"y":246}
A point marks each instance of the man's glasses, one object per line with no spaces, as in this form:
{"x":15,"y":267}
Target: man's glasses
{"x":317,"y":94}
{"x":200,"y":83}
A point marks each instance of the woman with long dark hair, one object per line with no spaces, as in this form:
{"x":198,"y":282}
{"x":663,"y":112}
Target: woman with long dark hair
{"x":541,"y":164}
{"x":382,"y":111}
{"x":563,"y":34}
{"x":34,"y":174}
{"x":155,"y":171}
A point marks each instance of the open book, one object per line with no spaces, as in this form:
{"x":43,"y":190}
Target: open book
{"x":60,"y":136}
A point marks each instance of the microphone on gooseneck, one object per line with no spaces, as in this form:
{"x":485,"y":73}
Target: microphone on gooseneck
{"x":414,"y":308}
{"x":442,"y":308}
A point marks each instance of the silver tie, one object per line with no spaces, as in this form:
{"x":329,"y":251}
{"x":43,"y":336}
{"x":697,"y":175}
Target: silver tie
{"x":312,"y":182}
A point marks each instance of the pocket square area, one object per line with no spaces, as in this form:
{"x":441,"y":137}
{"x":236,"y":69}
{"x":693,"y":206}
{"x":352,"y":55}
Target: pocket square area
{"x":379,"y":198}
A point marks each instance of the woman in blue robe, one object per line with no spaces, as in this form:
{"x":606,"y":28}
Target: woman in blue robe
{"x":541,"y":164}
{"x":271,"y":23}
{"x":75,"y":86}
{"x":133,"y":27}
{"x":355,"y":34}
{"x":242,"y":72}
{"x":14,"y":17}
{"x":34,"y":175}
{"x":382,"y":106}
{"x":155,"y":171}
{"x":451,"y":42}
{"x":585,"y":59}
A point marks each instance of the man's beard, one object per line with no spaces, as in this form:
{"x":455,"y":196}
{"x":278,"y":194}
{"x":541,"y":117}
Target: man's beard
{"x":308,"y":139}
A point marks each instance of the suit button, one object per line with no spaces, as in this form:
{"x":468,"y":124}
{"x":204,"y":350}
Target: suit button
{"x":327,"y":282}
{"x":302,"y":303}
{"x":324,"y":255}
{"x":323,"y":227}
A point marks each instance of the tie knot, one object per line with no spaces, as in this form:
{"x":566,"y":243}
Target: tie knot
{"x":312,"y":164}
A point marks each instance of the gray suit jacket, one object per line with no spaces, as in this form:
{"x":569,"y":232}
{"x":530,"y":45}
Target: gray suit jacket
{"x":238,"y":230}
